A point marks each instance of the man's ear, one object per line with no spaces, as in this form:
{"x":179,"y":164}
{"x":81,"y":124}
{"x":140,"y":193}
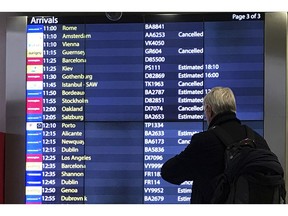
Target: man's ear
{"x":209,"y":111}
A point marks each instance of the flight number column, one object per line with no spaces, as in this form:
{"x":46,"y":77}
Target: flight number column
{"x":154,"y":111}
{"x":174,"y":88}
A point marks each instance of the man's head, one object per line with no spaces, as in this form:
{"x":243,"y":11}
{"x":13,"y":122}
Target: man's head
{"x":218,"y":100}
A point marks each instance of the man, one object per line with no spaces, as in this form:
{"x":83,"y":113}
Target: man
{"x":203,"y":158}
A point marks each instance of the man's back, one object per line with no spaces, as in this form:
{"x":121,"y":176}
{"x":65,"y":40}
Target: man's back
{"x":203,"y":159}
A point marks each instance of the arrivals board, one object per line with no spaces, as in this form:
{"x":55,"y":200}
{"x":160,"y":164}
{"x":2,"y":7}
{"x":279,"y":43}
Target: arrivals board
{"x":109,"y":101}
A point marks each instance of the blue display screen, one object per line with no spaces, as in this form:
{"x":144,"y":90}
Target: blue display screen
{"x":108,"y":102}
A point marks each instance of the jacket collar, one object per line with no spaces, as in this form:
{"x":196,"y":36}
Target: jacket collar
{"x":222,"y":118}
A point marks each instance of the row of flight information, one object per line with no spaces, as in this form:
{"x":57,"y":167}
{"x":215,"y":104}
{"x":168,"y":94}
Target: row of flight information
{"x":109,"y":101}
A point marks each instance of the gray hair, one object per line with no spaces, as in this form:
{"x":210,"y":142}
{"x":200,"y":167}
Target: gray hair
{"x":221,"y":99}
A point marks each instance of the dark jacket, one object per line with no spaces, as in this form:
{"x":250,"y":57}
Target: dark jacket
{"x":203,"y":158}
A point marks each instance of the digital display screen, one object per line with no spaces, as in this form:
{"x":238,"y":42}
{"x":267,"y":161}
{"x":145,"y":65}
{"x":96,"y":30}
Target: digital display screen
{"x":109,"y":101}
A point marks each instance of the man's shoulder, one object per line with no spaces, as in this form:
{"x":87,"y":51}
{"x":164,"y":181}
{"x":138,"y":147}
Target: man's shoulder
{"x":204,"y":135}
